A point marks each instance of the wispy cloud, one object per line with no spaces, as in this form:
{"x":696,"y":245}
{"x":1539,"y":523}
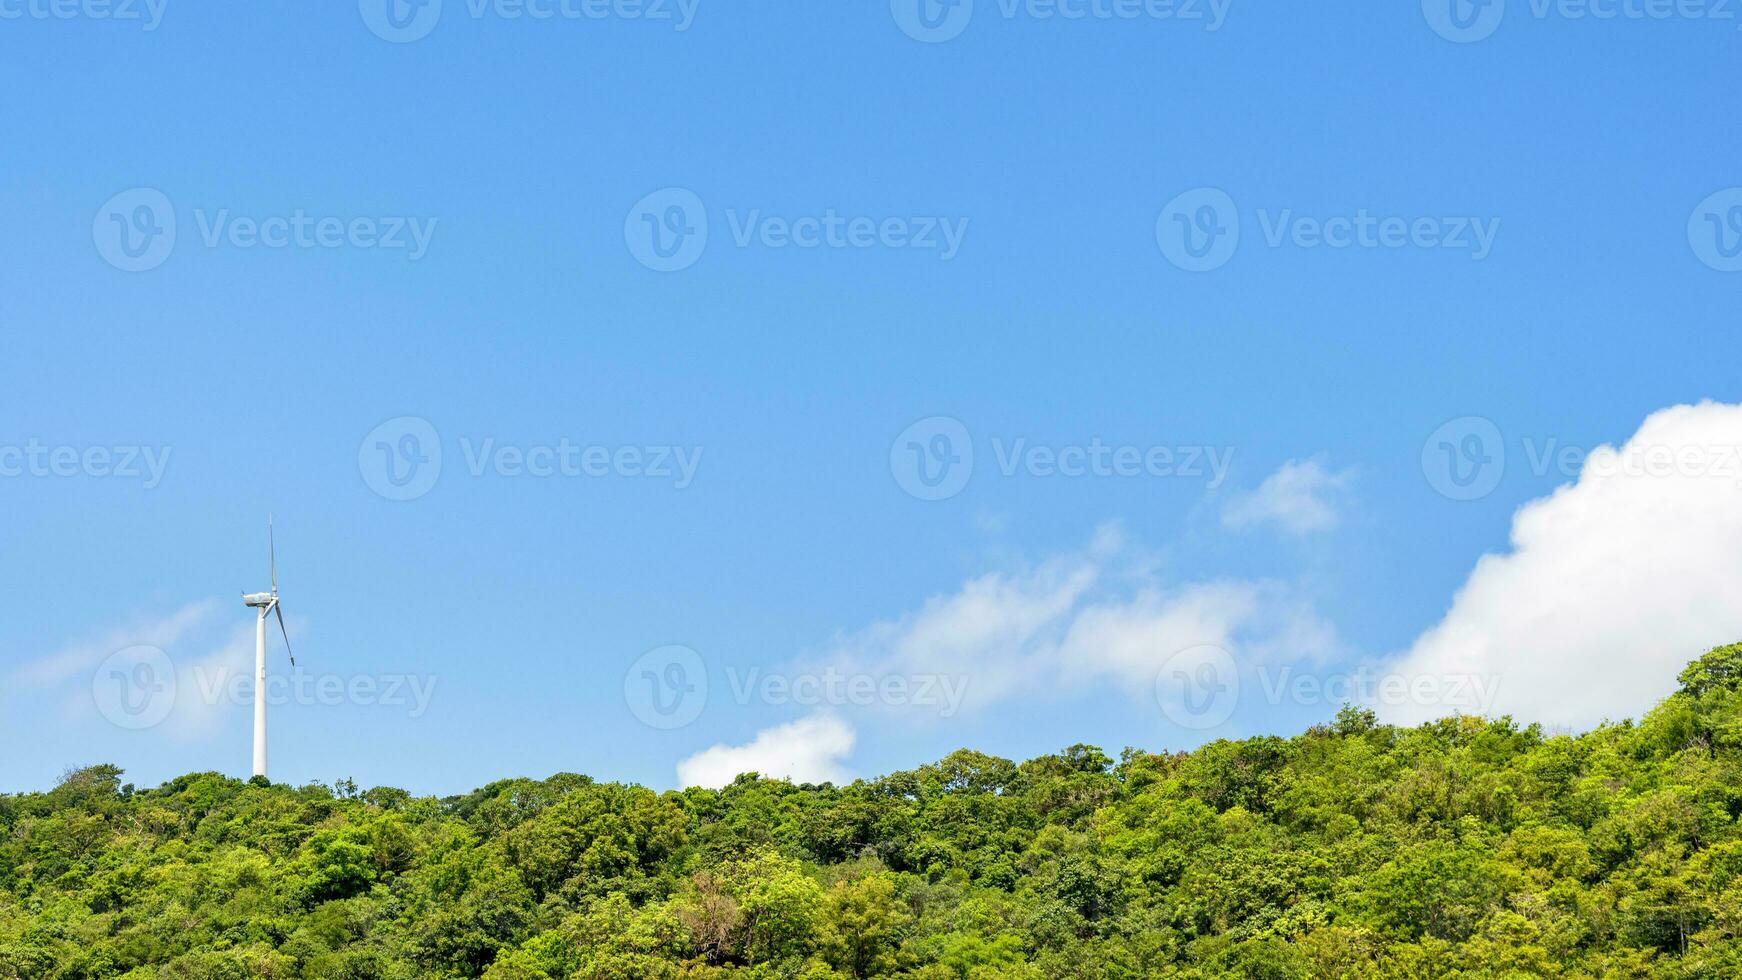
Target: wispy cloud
{"x":80,"y":657}
{"x":1100,"y":615}
{"x":207,"y":652}
{"x":1300,"y":498}
{"x":1097,"y":618}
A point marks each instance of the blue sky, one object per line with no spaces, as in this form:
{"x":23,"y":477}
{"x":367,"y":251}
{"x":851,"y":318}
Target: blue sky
{"x":528,"y":152}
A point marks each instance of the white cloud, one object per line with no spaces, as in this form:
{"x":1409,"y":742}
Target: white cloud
{"x":1079,"y":619}
{"x":1130,"y":639}
{"x":1299,"y":498}
{"x":1613,"y":583}
{"x":809,"y":750}
{"x":996,"y":630}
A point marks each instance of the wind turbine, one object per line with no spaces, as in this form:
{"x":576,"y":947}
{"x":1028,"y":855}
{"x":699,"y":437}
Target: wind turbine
{"x":267,"y":603}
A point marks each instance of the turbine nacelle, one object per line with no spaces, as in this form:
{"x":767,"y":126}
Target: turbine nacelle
{"x":267,"y":602}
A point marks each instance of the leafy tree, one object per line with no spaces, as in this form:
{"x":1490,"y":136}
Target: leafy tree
{"x":1466,"y":847}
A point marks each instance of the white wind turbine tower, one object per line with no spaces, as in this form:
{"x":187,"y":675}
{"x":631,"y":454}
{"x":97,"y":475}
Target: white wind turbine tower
{"x":267,"y":603}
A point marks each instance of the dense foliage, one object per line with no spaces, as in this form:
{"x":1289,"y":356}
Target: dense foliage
{"x":1465,"y":847}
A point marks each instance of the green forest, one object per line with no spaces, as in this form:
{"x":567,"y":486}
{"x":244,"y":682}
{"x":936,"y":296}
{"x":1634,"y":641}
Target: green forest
{"x":1461,"y":848}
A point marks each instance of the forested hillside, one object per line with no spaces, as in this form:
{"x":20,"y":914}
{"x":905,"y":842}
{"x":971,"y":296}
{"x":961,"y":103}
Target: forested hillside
{"x":1462,"y":848}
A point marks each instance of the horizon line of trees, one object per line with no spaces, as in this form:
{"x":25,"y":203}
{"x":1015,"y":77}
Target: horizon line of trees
{"x":1465,"y":847}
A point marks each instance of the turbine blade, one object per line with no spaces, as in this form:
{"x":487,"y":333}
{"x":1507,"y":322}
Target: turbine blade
{"x":272,"y":542}
{"x":280,"y":611}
